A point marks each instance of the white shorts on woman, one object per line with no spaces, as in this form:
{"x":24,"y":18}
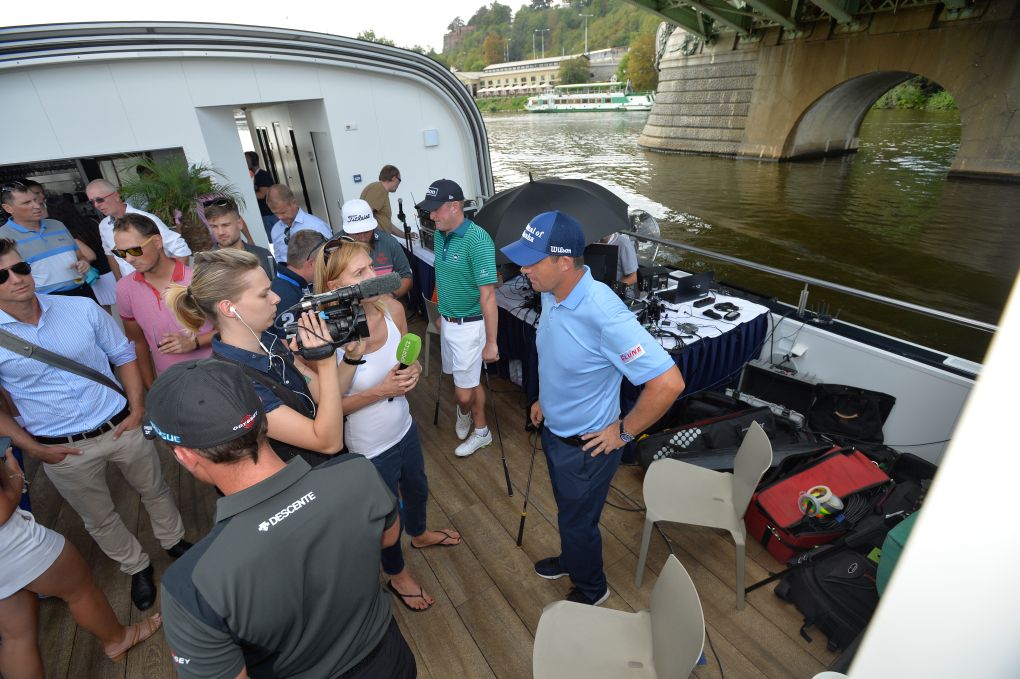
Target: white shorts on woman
{"x":27,"y":550}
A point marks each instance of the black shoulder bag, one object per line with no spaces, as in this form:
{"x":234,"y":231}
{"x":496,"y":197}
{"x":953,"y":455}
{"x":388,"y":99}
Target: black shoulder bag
{"x":25,"y":348}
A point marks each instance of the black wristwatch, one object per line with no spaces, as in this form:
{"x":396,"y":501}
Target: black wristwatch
{"x":624,"y":436}
{"x":349,"y":361}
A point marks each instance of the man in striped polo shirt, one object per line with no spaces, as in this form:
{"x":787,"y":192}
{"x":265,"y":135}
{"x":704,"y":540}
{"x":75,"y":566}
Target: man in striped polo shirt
{"x":466,"y":285}
{"x":58,"y":264}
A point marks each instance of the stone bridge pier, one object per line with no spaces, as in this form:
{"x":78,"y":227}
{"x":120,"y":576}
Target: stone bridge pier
{"x":784,"y":95}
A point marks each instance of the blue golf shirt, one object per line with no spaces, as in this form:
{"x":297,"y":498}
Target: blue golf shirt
{"x":587,"y":344}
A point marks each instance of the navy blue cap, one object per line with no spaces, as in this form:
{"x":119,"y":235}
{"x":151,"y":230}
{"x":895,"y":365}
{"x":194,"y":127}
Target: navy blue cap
{"x":439,"y":192}
{"x":548,"y":234}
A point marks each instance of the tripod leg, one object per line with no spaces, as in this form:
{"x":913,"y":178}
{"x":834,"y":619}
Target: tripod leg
{"x":439,"y":394}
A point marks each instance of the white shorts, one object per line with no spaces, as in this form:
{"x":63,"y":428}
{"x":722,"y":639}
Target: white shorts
{"x":462,"y":351}
{"x":27,"y":550}
{"x":105,"y":289}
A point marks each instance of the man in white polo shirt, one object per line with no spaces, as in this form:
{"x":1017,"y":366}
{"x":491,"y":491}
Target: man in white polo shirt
{"x":106,"y":198}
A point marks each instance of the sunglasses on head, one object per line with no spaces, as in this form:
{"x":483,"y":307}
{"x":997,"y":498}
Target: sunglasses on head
{"x":219,"y":202}
{"x":136,"y":251}
{"x":332,"y":245}
{"x":21,"y":268}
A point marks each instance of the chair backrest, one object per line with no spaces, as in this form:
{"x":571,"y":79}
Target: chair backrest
{"x":678,"y":622}
{"x":753,"y":459}
{"x":433,"y":312}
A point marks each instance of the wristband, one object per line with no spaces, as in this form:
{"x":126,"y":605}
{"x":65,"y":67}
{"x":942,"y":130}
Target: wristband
{"x":349,"y":361}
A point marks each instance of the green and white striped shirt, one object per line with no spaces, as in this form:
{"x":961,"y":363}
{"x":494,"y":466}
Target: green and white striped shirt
{"x":465,"y":260}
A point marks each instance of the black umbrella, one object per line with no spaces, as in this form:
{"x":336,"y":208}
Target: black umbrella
{"x":599,"y":210}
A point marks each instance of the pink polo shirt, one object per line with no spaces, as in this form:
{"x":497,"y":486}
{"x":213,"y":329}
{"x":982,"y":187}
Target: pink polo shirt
{"x":140,"y":302}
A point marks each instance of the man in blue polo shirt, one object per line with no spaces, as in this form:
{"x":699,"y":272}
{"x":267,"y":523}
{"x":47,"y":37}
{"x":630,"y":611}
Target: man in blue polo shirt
{"x":587,"y":343}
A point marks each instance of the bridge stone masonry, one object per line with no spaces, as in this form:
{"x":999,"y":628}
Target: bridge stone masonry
{"x":784,"y":87}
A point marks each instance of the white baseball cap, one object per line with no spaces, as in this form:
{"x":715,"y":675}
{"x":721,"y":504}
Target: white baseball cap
{"x":357,"y":216}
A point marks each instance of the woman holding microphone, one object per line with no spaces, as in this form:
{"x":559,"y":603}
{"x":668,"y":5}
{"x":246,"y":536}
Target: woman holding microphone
{"x":379,"y":424}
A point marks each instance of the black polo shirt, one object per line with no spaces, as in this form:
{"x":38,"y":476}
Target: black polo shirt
{"x":287,"y":582}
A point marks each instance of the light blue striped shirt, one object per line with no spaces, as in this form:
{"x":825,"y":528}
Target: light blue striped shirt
{"x":54,"y":402}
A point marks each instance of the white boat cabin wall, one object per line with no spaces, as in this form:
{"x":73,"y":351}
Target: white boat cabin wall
{"x":331,"y":116}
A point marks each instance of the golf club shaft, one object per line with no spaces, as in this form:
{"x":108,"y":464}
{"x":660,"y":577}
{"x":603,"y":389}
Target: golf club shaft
{"x":499,"y":435}
{"x":527,"y":494}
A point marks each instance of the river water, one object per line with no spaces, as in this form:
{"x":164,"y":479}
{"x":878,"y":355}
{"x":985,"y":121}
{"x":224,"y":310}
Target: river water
{"x":886,"y":219}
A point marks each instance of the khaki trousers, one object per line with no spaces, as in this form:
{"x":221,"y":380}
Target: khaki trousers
{"x":81,"y":480}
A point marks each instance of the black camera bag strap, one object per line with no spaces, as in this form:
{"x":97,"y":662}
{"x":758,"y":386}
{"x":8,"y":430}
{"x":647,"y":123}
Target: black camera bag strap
{"x":25,"y":348}
{"x":292,"y":400}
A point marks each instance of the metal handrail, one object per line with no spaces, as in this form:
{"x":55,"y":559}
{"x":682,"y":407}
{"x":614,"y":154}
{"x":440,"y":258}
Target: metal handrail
{"x":810,"y":280}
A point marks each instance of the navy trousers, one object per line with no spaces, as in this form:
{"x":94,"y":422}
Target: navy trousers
{"x":580,"y":484}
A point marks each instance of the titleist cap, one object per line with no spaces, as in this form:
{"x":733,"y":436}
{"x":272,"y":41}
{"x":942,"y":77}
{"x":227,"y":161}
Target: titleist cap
{"x":548,"y":234}
{"x":201,"y":404}
{"x":439,"y":192}
{"x":357,"y":216}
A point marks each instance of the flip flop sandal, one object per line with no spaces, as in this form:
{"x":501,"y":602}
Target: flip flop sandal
{"x":441,"y":543}
{"x":404,"y":597}
{"x":136,"y":634}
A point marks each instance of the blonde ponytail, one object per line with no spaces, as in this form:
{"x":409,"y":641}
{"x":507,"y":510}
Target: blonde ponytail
{"x":217,"y":275}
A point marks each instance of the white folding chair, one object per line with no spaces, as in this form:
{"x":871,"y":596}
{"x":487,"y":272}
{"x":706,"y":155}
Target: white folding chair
{"x":576,"y":640}
{"x":433,"y":329}
{"x":684,"y":493}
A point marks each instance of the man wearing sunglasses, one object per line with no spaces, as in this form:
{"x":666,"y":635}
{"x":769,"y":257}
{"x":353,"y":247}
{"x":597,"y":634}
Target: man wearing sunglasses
{"x":159,"y":339}
{"x":76,"y":426}
{"x":292,"y":219}
{"x":105,"y":197}
{"x":59,"y":261}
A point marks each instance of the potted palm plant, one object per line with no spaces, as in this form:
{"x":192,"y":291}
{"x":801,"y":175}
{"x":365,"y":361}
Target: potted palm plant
{"x":174,"y":190}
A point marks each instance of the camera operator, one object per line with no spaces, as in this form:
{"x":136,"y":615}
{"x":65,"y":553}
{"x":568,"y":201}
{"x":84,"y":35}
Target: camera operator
{"x":302,"y":403}
{"x":379,"y":424}
{"x":287,"y":582}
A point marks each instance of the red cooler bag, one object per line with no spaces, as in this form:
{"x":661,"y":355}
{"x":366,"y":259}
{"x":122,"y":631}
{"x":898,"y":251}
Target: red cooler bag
{"x":774,"y":517}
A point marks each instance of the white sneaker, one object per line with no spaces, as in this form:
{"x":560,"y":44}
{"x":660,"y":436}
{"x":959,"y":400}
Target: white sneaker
{"x":464,"y":424}
{"x":473,"y":444}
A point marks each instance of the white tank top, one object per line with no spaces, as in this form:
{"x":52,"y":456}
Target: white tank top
{"x":379,"y":426}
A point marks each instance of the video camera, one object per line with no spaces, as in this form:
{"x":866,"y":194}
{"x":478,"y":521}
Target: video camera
{"x":342,"y":311}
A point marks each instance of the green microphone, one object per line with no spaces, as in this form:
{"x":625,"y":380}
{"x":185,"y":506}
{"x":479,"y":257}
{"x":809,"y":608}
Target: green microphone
{"x":407,"y":351}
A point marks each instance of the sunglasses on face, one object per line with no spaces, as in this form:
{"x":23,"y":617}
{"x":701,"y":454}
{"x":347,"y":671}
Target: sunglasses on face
{"x":21,"y":268}
{"x":101,"y":199}
{"x":136,"y":251}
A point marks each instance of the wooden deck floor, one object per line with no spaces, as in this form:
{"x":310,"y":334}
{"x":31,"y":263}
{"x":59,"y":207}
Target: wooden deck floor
{"x":488,"y":599}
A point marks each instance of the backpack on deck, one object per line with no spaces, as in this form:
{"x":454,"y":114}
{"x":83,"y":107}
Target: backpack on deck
{"x":836,"y":594}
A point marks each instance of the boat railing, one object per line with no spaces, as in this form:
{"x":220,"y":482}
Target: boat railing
{"x":817,"y":282}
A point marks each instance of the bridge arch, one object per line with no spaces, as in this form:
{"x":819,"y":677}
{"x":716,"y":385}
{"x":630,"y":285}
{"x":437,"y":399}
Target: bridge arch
{"x":803,"y":95}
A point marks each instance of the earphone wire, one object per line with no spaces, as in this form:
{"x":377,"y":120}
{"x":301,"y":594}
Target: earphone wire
{"x":270,"y":355}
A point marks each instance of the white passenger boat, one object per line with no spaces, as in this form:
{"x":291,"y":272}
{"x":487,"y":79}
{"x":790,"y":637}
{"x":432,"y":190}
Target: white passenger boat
{"x":590,"y":97}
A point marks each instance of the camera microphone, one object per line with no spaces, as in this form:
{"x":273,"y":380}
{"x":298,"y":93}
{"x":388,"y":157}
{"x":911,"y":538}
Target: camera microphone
{"x":373,"y":287}
{"x":407,"y":351}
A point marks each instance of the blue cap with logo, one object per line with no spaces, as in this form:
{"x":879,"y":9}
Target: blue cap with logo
{"x":548,"y":234}
{"x":439,"y":192}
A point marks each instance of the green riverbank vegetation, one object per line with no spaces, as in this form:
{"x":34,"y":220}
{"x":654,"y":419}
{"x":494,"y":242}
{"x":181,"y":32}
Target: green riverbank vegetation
{"x":918,"y":93}
{"x":501,"y":104}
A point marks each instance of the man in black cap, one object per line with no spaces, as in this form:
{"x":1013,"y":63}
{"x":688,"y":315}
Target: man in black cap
{"x":466,"y":285}
{"x":287,"y":582}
